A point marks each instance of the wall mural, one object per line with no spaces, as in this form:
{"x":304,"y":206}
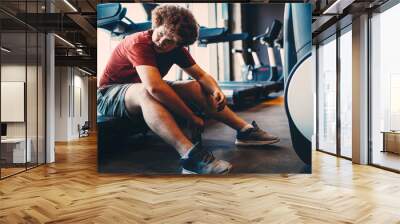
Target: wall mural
{"x":204,"y":88}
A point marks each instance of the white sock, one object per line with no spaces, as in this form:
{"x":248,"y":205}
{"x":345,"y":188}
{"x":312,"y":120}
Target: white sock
{"x":186,"y":155}
{"x":245,"y":128}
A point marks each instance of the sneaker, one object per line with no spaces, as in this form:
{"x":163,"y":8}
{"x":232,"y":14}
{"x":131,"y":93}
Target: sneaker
{"x":201,"y":161}
{"x":255,"y":136}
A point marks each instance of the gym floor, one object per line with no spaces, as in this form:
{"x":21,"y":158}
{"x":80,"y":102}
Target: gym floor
{"x":150,"y":154}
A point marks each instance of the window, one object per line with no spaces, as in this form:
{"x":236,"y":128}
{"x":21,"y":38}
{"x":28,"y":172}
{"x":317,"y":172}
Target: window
{"x":334,"y":63}
{"x":210,"y":58}
{"x":345,"y":92}
{"x":385,"y":89}
{"x":327,"y":95}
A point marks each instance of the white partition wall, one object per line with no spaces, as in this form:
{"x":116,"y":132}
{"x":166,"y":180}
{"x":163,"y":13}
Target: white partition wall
{"x":71,"y":102}
{"x":13,"y":101}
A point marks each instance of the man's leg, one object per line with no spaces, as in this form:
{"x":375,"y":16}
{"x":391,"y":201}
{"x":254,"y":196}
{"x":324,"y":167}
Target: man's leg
{"x":191,"y":91}
{"x":195,"y":160}
{"x":247,"y":134}
{"x":157,"y":117}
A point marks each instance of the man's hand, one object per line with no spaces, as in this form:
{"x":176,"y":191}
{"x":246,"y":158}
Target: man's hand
{"x":209,"y":85}
{"x":220,"y":99}
{"x":197,"y":123}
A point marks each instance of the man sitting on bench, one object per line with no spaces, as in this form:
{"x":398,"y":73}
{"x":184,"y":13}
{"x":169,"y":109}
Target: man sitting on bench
{"x":132,"y":84}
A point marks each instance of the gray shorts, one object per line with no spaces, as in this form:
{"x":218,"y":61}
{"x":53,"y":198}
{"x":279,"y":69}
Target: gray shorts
{"x":111,"y":100}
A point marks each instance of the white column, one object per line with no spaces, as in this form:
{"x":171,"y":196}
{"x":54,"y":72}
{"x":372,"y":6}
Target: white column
{"x":314,"y":90}
{"x":360,"y":90}
{"x":50,"y":98}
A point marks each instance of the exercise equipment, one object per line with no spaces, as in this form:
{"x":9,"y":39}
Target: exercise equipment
{"x":250,"y":72}
{"x":272,"y":72}
{"x":259,"y":72}
{"x":218,"y":35}
{"x":237,"y":94}
{"x":112,"y":17}
{"x":268,"y":39}
{"x":298,"y":77}
{"x":278,"y":43}
{"x":257,"y":84}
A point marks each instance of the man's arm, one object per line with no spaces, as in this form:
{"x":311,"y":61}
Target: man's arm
{"x":162,"y":92}
{"x":208,"y":83}
{"x":206,"y":80}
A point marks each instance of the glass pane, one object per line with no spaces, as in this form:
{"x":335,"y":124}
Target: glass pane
{"x":385,"y":89}
{"x":327,"y":96}
{"x":345,"y":94}
{"x":14,"y":153}
{"x":31,"y":97}
{"x":41,"y":99}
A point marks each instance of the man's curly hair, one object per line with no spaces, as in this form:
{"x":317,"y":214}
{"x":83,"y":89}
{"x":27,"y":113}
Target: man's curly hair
{"x":177,"y":20}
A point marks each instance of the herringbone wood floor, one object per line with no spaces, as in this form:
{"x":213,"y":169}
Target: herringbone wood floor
{"x":71,"y":191}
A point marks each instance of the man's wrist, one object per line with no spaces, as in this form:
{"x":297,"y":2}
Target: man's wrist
{"x":192,"y":116}
{"x":208,"y":86}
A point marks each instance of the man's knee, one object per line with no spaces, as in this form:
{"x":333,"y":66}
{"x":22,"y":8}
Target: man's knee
{"x":135,"y":96}
{"x":195,"y":86}
{"x":142,"y":92}
{"x":192,"y":89}
{"x":203,"y":100}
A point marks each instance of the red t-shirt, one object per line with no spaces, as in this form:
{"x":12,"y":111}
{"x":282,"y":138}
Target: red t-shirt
{"x":137,"y":49}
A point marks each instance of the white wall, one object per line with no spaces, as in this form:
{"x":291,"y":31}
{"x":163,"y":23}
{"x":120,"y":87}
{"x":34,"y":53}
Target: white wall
{"x":33,"y":127}
{"x":12,"y":73}
{"x":70,"y":84}
{"x":80,"y":103}
{"x":61,"y":103}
